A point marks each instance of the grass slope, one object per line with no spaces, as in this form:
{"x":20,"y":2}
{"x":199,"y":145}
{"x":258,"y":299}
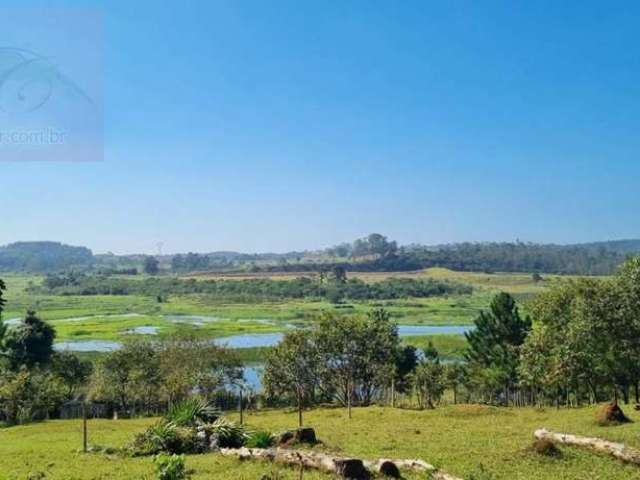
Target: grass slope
{"x":455,"y":438}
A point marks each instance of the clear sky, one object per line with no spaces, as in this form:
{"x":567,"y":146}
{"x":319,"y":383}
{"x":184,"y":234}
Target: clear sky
{"x":280,"y":125}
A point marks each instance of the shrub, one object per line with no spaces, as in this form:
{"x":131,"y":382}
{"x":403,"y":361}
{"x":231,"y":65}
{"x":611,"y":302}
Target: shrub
{"x":227,"y":434}
{"x":191,"y":411}
{"x":170,"y":467}
{"x":546,"y":447}
{"x":166,"y":437}
{"x":260,"y":439}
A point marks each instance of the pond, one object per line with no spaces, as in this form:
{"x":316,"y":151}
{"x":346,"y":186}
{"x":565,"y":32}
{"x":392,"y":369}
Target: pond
{"x":144,"y":330}
{"x":252,"y":340}
{"x":197,"y":320}
{"x":88,"y":346}
{"x":418,"y":330}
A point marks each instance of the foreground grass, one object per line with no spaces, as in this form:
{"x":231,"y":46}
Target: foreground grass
{"x":456,"y":438}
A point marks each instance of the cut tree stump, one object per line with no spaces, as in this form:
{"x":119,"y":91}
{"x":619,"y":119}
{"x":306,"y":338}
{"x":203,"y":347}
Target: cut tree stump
{"x":352,"y":468}
{"x":617,"y":450}
{"x":300,"y":435}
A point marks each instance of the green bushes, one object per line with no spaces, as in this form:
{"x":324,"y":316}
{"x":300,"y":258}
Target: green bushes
{"x":191,"y":411}
{"x":170,"y":467}
{"x":192,"y":426}
{"x":166,"y":437}
{"x":260,"y":439}
{"x":224,"y":433}
{"x":253,"y":290}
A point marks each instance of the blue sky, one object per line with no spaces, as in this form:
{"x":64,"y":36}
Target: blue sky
{"x":272,"y":126}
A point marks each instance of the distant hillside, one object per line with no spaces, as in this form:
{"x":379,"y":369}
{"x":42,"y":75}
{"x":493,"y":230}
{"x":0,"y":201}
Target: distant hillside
{"x":372,"y":253}
{"x":43,"y":257}
{"x":624,"y":247}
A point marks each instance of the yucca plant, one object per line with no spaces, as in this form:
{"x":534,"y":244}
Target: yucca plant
{"x":260,"y":439}
{"x":228,"y":434}
{"x":188,"y":412}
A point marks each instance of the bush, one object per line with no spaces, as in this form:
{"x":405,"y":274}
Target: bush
{"x":170,"y":467}
{"x":191,"y":411}
{"x":260,"y":439}
{"x":226,"y":434}
{"x":546,"y":447}
{"x":166,"y":437}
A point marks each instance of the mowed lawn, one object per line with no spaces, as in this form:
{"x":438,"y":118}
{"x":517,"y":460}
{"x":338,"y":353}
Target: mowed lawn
{"x":456,"y":438}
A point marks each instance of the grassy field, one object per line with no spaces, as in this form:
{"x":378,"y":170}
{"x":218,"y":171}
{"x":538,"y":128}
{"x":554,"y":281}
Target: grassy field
{"x":114,"y":317}
{"x":457,"y":439}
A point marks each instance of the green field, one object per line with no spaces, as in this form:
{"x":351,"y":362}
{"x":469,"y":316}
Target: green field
{"x":457,"y":439}
{"x":113,"y":317}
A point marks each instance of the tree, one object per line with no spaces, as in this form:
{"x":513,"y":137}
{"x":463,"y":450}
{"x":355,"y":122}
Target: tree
{"x":26,"y":395}
{"x":358,"y":355}
{"x":189,"y":364}
{"x":455,"y":376}
{"x":151,"y":265}
{"x":496,"y":341}
{"x":71,"y":371}
{"x":339,"y":274}
{"x":293,"y":369}
{"x":3,"y":327}
{"x":428,"y":378}
{"x":3,"y":288}
{"x":30,"y":343}
{"x":129,"y":376}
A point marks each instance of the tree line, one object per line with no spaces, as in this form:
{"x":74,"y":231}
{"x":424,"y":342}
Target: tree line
{"x":580,"y":345}
{"x":334,"y":286}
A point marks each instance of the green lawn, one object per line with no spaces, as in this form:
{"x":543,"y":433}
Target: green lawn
{"x":455,"y":438}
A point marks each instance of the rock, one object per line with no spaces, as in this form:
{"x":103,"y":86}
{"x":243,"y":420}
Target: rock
{"x":214,"y":442}
{"x":351,"y":468}
{"x":388,"y":469}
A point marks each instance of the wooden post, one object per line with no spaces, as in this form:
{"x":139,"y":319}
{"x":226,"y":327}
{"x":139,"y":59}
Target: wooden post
{"x":241,"y":408}
{"x":84,"y":427}
{"x":393,"y":393}
{"x":349,"y":397}
{"x":299,"y":408}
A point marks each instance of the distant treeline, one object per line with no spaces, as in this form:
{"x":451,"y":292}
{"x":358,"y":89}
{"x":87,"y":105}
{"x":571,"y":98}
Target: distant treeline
{"x":43,"y":257}
{"x":474,"y":257}
{"x":248,"y":290}
{"x":374,"y":253}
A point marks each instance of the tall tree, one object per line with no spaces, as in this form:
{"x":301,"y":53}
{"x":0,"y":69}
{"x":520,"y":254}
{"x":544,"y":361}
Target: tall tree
{"x":293,"y":369}
{"x":150,"y":265}
{"x":496,"y":341}
{"x":3,"y":302}
{"x":30,"y":343}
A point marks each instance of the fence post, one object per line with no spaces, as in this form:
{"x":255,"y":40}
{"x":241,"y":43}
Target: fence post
{"x":84,"y":426}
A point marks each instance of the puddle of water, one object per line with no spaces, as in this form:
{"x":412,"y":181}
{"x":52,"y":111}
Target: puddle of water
{"x":420,"y":330}
{"x":253,"y":376}
{"x":144,"y":330}
{"x":88,"y":346}
{"x":198,"y":320}
{"x":250,"y":340}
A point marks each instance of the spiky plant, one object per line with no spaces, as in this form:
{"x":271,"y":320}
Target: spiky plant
{"x":191,"y":411}
{"x":228,"y":433}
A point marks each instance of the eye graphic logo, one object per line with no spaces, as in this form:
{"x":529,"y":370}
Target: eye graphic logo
{"x":28,"y":81}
